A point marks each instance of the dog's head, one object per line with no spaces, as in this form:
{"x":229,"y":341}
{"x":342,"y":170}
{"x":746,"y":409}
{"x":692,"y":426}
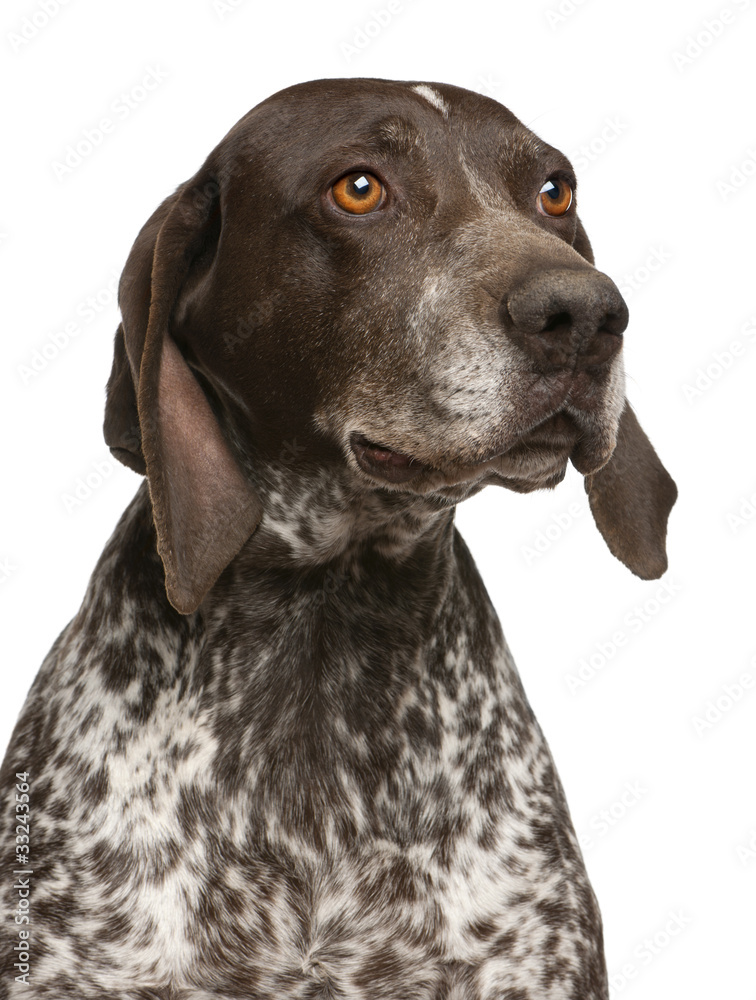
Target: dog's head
{"x":392,"y":279}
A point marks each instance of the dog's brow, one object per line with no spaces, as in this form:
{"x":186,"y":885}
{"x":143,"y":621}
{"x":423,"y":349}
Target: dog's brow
{"x":394,"y":135}
{"x":525,"y":151}
{"x":399,"y":134}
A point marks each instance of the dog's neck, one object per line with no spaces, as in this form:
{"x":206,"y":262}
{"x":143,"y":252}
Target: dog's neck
{"x":319,"y":532}
{"x":320,"y":517}
{"x":323,"y":533}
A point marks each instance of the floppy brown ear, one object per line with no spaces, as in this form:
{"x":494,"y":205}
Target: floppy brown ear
{"x":122,"y":432}
{"x":157,"y":417}
{"x":630,"y":498}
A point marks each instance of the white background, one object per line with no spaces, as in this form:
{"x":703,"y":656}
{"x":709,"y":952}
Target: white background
{"x":655,"y":134}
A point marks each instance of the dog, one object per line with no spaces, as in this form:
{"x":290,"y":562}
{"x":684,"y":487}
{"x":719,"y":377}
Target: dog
{"x":282,"y":750}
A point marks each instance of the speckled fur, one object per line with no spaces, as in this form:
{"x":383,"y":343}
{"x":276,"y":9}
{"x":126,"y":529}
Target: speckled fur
{"x":326,"y":782}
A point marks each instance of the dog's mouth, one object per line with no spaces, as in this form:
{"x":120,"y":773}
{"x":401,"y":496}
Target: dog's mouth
{"x":540,"y":455}
{"x":385,"y":463}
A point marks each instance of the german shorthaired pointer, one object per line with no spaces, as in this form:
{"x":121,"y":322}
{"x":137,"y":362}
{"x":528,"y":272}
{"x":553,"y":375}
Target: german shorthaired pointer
{"x":282,"y":750}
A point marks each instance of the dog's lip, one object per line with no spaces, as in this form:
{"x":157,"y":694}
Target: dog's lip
{"x":378,"y":460}
{"x":555,"y":434}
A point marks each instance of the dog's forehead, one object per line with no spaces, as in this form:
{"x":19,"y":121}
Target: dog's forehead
{"x":359,"y":95}
{"x":434,"y":117}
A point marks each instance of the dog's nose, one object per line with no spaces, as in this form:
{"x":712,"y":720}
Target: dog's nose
{"x":564,"y":318}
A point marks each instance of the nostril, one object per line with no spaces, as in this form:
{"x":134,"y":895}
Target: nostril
{"x":556,"y":321}
{"x":614,"y":323}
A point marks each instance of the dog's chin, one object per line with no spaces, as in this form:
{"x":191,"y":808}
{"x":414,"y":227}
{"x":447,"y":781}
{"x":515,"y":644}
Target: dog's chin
{"x":536,"y":460}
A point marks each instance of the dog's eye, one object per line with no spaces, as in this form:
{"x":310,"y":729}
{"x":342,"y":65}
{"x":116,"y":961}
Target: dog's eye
{"x":555,"y":197}
{"x":358,"y":193}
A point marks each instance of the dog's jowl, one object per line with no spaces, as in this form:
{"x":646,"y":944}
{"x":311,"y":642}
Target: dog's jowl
{"x":282,"y":750}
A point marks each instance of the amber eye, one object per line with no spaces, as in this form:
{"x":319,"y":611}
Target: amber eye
{"x":555,"y":197}
{"x":358,"y":193}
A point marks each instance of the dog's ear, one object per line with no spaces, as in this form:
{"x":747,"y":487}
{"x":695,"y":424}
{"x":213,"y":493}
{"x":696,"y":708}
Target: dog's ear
{"x":158,"y":419}
{"x":630,"y":498}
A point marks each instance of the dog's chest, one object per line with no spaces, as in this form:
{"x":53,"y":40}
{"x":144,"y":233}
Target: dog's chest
{"x":229,"y":838}
{"x":335,"y":787}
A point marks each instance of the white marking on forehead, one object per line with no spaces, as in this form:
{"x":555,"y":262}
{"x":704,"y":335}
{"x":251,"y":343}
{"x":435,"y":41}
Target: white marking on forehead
{"x":432,"y":97}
